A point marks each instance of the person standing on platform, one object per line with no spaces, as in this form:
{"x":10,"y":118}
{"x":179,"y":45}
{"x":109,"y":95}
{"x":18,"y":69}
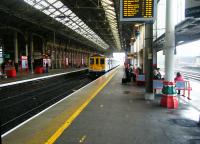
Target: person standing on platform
{"x":3,"y":67}
{"x":47,"y":67}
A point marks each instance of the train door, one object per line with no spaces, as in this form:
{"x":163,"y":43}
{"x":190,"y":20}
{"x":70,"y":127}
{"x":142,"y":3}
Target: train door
{"x":97,"y":63}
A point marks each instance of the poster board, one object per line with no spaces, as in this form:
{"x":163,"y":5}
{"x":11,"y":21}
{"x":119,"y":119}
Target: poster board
{"x":46,"y":61}
{"x":24,"y":62}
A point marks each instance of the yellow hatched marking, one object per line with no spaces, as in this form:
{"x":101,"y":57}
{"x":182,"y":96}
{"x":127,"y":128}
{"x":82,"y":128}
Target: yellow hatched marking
{"x":76,"y":113}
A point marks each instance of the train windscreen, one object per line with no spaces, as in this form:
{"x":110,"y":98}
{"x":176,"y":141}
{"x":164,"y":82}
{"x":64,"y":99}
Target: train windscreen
{"x":102,"y":61}
{"x":91,"y":60}
{"x":97,"y":60}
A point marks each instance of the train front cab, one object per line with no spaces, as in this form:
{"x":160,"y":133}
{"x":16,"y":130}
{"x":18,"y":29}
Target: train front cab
{"x":97,"y":66}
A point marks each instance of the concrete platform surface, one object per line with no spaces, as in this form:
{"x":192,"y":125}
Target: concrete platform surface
{"x":39,"y":129}
{"x":120,"y":115}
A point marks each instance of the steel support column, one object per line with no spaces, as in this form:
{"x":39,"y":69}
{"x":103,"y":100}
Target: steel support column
{"x":16,"y":50}
{"x":148,"y":61}
{"x":31,"y":52}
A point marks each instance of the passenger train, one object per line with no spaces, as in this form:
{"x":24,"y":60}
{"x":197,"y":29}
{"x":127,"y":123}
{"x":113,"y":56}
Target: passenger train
{"x":99,"y":64}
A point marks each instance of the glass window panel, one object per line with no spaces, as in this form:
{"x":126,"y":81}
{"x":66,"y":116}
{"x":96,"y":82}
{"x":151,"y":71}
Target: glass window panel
{"x":56,"y":13}
{"x":58,"y":4}
{"x":73,"y":24}
{"x":51,"y":9}
{"x":45,"y":4}
{"x":38,"y":6}
{"x":72,"y":15}
{"x":46,"y":12}
{"x":75,"y":18}
{"x":29,"y":2}
{"x":63,"y":9}
{"x":79,"y":21}
{"x":81,"y":24}
{"x":67,"y":24}
{"x":51,"y":1}
{"x":68,"y":12}
{"x":58,"y":19}
{"x":70,"y":22}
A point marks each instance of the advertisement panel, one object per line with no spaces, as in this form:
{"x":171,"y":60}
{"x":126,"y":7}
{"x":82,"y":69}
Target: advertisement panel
{"x":24,"y":62}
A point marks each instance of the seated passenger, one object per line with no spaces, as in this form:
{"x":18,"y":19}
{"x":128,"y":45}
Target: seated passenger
{"x":157,"y":74}
{"x":178,"y":77}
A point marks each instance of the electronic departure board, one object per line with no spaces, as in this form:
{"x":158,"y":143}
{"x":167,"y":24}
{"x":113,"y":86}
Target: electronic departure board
{"x":137,"y":10}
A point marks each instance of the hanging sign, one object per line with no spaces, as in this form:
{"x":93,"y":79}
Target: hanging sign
{"x":192,"y":8}
{"x":137,"y":10}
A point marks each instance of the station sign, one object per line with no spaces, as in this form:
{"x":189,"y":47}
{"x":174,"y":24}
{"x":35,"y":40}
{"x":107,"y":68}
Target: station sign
{"x":192,"y":8}
{"x":138,"y":10}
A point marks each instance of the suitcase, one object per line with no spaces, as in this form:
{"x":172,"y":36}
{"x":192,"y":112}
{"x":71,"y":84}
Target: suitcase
{"x":124,"y":80}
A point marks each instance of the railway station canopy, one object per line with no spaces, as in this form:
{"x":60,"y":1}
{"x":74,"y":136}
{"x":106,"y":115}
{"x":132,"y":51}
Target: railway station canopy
{"x":95,"y":23}
{"x":91,"y":22}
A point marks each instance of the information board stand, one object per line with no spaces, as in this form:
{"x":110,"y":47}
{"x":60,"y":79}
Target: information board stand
{"x":24,"y":65}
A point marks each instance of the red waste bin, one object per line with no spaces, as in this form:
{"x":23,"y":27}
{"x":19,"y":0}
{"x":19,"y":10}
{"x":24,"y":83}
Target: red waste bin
{"x":11,"y":73}
{"x":39,"y":70}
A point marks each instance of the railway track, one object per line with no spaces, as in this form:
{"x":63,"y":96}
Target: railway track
{"x":189,"y":74}
{"x":21,"y":102}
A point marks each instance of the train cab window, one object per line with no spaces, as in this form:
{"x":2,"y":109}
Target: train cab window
{"x":91,"y":60}
{"x":102,"y":61}
{"x":97,"y":61}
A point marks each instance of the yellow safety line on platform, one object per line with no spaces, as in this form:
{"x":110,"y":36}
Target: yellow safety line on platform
{"x":76,"y":113}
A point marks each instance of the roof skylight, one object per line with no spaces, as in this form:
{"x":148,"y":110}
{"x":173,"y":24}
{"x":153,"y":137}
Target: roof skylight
{"x":108,"y":7}
{"x":61,"y":13}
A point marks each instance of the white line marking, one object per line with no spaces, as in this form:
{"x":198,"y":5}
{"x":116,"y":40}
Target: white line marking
{"x":38,"y":78}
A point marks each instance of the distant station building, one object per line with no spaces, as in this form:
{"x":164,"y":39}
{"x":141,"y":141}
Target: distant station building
{"x":197,"y":61}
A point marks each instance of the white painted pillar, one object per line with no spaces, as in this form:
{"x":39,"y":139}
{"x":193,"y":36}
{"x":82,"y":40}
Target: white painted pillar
{"x":169,"y":98}
{"x":138,"y":52}
{"x":170,"y":41}
{"x":26,"y":48}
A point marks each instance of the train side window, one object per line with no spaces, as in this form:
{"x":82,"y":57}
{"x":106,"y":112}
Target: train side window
{"x":102,"y":61}
{"x":97,"y":61}
{"x":91,"y":60}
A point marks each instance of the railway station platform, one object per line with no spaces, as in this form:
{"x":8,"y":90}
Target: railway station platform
{"x":107,"y":112}
{"x":23,"y":77}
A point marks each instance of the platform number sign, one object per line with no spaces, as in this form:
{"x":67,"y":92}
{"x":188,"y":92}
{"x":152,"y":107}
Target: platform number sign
{"x":137,"y":10}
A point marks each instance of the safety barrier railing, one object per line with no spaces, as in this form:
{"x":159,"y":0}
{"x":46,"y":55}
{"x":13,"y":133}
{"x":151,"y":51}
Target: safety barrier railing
{"x":185,"y":86}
